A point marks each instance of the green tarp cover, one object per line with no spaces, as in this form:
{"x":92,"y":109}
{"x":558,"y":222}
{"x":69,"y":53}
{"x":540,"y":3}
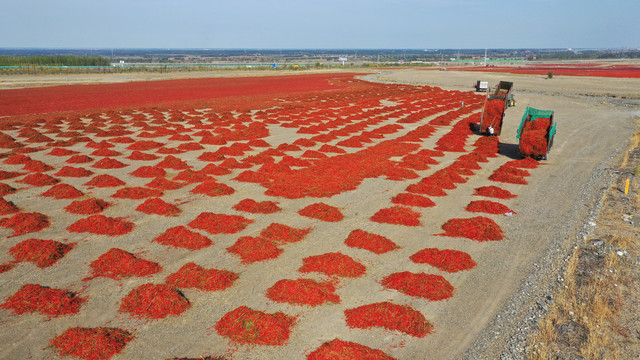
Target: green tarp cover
{"x":535,"y":113}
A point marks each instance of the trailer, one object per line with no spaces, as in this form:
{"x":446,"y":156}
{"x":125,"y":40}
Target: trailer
{"x":536,"y":133}
{"x":494,"y":108}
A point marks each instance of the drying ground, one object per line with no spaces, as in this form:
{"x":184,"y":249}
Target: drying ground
{"x":343,"y":167}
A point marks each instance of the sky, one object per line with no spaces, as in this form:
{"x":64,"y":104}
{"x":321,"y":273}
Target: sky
{"x":320,"y":24}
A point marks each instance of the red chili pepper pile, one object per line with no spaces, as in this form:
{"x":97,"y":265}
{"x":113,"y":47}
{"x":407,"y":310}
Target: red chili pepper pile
{"x":144,"y":145}
{"x":212,"y":188}
{"x":172,"y":162}
{"x":7,"y":207}
{"x":108,"y":163}
{"x":79,"y":159}
{"x":42,"y":253}
{"x":11,"y":174}
{"x":526,"y":163}
{"x":333,"y":264}
{"x":322,"y":211}
{"x":25,"y":223}
{"x":44,"y":300}
{"x":102,"y":225}
{"x":149,"y":172}
{"x":390,"y":316}
{"x":17,"y":159}
{"x":99,"y":343}
{"x":37,"y":166}
{"x":6,"y":189}
{"x":345,"y":350}
{"x":409,"y":199}
{"x":445,"y":260}
{"x":194,"y":276}
{"x":303,"y":292}
{"x":489,"y":207}
{"x":247,"y":326}
{"x":397,"y":215}
{"x":377,"y":244}
{"x":39,"y":179}
{"x":426,"y":186}
{"x":69,"y":171}
{"x":252,"y":206}
{"x":140,"y":156}
{"x":105,"y":152}
{"x":494,"y":192}
{"x":428,"y":286}
{"x":454,"y":140}
{"x":103,"y":181}
{"x":181,"y":237}
{"x":509,"y":174}
{"x":136,"y":192}
{"x":62,"y":191}
{"x":164,"y":184}
{"x":154,"y":301}
{"x":283,"y":234}
{"x":86,"y":207}
{"x":190,"y":177}
{"x":220,"y":223}
{"x":119,"y":264}
{"x":159,"y":207}
{"x":252,"y":249}
{"x":477,"y":228}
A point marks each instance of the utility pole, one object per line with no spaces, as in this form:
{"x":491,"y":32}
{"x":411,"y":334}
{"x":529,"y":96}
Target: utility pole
{"x":484,"y":63}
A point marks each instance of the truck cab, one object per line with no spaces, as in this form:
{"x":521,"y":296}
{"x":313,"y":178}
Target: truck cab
{"x":481,"y":86}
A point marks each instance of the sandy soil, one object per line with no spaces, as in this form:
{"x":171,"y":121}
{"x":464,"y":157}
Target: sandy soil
{"x":595,"y":119}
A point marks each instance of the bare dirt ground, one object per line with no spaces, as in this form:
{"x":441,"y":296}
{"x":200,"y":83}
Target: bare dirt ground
{"x":491,"y":313}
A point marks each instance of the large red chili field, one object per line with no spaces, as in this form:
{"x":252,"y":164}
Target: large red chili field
{"x":588,"y":69}
{"x":242,"y":218}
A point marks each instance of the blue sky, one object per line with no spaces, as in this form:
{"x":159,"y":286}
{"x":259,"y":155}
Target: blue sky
{"x":285,"y":24}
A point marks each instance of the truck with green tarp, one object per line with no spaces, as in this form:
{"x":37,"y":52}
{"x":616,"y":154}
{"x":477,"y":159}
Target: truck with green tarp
{"x":536,"y":132}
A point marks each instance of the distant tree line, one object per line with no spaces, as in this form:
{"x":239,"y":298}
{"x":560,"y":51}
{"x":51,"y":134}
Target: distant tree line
{"x":56,"y":60}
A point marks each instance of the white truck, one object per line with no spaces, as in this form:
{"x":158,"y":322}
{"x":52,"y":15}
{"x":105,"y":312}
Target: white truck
{"x":481,"y":86}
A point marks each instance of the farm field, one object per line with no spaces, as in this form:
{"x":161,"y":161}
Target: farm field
{"x":288,"y":217}
{"x":608,"y":70}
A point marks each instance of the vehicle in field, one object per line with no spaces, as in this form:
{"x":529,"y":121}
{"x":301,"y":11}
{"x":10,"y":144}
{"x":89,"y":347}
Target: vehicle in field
{"x":494,"y":108}
{"x":481,"y":86}
{"x":536,"y":132}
